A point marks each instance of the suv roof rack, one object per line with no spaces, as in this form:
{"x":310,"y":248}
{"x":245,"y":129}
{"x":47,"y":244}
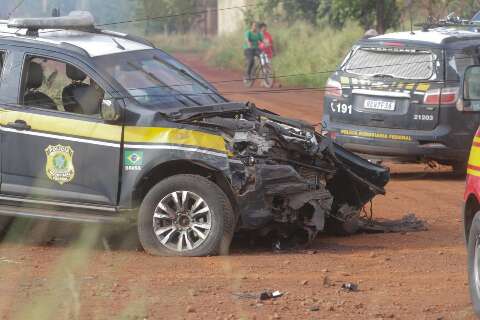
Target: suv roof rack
{"x":76,"y":20}
{"x":449,"y":21}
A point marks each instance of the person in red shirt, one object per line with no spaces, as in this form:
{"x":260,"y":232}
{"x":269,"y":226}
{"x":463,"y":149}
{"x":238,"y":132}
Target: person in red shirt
{"x":267,"y":44}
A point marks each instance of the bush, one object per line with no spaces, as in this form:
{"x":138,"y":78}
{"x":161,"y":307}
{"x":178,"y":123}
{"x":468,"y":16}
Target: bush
{"x":302,"y":50}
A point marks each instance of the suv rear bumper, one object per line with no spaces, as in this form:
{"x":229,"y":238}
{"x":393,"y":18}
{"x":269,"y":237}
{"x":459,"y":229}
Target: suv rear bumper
{"x":405,"y":145}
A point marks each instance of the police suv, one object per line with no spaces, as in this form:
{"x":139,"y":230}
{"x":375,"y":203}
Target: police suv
{"x":395,"y":95}
{"x":99,"y":126}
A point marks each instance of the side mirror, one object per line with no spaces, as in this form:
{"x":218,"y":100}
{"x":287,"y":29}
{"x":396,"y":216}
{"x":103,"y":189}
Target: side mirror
{"x":470,"y":99}
{"x":111,"y":110}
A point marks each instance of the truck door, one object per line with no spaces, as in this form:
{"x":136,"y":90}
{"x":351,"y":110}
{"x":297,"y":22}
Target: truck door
{"x":55,"y":145}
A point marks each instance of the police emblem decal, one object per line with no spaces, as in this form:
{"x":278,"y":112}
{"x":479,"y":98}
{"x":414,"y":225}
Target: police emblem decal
{"x":59,"y":165}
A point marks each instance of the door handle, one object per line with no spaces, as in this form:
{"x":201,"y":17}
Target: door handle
{"x":19,"y":125}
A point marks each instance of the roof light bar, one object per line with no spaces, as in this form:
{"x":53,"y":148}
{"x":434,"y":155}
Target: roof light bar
{"x":75,"y":20}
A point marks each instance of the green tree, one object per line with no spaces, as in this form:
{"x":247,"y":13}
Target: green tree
{"x":177,"y":16}
{"x":379,"y":14}
{"x":288,"y":10}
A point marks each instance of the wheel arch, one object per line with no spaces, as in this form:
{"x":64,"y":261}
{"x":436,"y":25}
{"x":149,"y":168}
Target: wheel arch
{"x":176,"y":167}
{"x":472,"y":206}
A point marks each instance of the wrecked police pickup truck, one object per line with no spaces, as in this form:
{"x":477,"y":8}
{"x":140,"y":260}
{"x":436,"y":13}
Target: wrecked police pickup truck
{"x":106,"y":128}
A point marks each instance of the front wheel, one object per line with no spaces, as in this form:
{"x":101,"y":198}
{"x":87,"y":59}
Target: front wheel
{"x":267,"y":76}
{"x":474,"y":262}
{"x":250,"y":81}
{"x":186,"y":215}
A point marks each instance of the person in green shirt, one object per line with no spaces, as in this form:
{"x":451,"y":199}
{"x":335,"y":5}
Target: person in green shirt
{"x":251,"y":48}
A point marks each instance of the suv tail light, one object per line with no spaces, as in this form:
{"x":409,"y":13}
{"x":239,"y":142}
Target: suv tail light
{"x":441,"y":96}
{"x":333,"y":89}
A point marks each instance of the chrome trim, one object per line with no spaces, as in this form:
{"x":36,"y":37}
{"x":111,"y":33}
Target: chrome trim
{"x":60,"y":204}
{"x":378,"y":93}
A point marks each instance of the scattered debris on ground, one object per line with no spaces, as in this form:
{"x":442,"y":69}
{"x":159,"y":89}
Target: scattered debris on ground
{"x":409,"y":223}
{"x":349,"y":286}
{"x":265,"y":295}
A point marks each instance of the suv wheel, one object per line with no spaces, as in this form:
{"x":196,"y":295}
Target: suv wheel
{"x":186,"y":215}
{"x":474,"y":262}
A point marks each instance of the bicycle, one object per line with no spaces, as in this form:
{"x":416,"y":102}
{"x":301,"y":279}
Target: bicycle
{"x":262,"y":70}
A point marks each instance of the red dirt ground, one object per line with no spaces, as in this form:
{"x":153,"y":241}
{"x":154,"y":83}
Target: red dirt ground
{"x":402,"y":276}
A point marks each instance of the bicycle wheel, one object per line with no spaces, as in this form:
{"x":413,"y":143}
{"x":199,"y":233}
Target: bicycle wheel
{"x":249,"y":82}
{"x":253,"y":76}
{"x":268,"y":76}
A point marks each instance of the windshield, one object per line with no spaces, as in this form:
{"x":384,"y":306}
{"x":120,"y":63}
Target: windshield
{"x":396,"y":63}
{"x":155,"y":79}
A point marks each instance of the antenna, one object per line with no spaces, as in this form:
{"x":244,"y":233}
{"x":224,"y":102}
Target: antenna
{"x":410,"y":5}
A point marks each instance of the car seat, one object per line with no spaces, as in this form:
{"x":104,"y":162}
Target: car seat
{"x":79,"y":97}
{"x":32,"y":96}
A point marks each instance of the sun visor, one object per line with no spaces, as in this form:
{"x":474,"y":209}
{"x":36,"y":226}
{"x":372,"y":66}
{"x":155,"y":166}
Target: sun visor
{"x":75,"y":20}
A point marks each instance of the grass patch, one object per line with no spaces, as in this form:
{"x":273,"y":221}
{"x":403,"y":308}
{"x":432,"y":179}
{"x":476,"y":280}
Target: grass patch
{"x":302,"y":50}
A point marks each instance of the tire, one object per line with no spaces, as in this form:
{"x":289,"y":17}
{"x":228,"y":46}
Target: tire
{"x":268,"y":77}
{"x":179,"y":223}
{"x":473,"y":248}
{"x":253,"y":77}
{"x":4,"y":224}
{"x":248,"y":83}
{"x":342,"y":228}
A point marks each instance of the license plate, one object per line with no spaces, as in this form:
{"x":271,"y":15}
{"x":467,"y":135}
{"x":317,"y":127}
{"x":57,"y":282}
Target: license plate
{"x":379,"y":105}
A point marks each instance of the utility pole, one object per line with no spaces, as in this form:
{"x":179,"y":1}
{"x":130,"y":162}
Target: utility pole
{"x":380,"y":9}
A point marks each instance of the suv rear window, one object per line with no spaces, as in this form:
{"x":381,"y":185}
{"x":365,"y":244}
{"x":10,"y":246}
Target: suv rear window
{"x":396,"y":63}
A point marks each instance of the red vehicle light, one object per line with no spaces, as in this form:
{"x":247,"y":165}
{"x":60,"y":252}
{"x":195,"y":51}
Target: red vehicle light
{"x":394,"y":44}
{"x":333,"y":89}
{"x":443,"y":96}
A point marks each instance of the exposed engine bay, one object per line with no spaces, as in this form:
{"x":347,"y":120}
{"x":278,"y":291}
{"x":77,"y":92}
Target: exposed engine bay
{"x":284,"y":173}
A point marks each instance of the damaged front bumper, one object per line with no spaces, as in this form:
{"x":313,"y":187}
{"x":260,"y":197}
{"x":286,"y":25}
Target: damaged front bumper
{"x":283,"y":172}
{"x":279,"y":193}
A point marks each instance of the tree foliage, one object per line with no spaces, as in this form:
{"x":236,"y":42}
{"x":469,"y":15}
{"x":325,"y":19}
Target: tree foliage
{"x":383,"y":14}
{"x":182,"y":15}
{"x":379,"y":14}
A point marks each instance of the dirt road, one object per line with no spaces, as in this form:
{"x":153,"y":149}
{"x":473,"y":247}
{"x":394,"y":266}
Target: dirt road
{"x":402,"y":276}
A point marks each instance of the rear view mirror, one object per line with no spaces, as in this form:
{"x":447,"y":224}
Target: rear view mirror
{"x":111,"y":110}
{"x":470,"y":90}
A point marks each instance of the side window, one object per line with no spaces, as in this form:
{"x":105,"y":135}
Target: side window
{"x":457,"y":63}
{"x":56,"y":85}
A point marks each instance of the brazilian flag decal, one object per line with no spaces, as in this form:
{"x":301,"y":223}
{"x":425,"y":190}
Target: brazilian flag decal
{"x":133,"y":158}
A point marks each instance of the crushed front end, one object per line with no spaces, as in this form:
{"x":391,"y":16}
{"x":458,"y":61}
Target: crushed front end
{"x":284,"y":173}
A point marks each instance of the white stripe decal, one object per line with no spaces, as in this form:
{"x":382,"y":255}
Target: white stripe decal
{"x":54,"y":136}
{"x":165,"y":147}
{"x":419,"y":93}
{"x":114,"y":145}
